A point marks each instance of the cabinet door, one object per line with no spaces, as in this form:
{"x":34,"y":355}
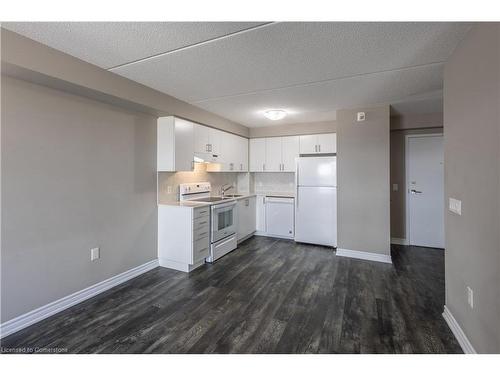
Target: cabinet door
{"x":242,"y":154}
{"x":273,"y":154}
{"x":289,"y":151}
{"x":226,"y":150}
{"x":260,"y":209}
{"x":252,"y":215}
{"x":184,"y":145}
{"x":327,"y":143}
{"x":257,"y":154}
{"x":308,"y":144}
{"x":242,"y":219}
{"x":201,"y":143}
{"x":214,"y":141}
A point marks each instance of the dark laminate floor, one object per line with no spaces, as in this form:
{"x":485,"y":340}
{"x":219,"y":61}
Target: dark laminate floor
{"x":268,"y":296}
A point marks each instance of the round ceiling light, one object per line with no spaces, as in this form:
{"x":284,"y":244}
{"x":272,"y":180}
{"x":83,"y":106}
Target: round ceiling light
{"x":275,"y":114}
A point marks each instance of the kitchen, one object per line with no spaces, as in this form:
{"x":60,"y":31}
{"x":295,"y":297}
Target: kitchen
{"x":248,"y":187}
{"x":283,"y":187}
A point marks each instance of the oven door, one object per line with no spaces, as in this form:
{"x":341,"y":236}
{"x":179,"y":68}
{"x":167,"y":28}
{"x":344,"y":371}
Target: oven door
{"x":223,"y":220}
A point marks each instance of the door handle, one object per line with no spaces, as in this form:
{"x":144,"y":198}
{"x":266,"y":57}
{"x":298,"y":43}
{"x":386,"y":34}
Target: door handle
{"x":413,"y":191}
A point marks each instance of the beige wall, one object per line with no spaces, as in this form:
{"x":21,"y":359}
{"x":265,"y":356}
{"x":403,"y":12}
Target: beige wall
{"x":294,"y":129}
{"x":398,"y":176}
{"x":26,"y":59}
{"x":472,"y":174}
{"x":75,"y":174}
{"x":363,"y":180}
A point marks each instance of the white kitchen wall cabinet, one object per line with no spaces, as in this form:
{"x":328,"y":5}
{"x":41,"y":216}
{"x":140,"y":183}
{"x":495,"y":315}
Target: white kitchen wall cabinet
{"x":257,"y":154}
{"x":175,"y":144}
{"x":260,"y":206}
{"x":207,"y":140}
{"x":273,"y":154}
{"x":246,"y":208}
{"x":308,"y":144}
{"x":290,"y":149}
{"x":242,"y":152}
{"x":318,"y":143}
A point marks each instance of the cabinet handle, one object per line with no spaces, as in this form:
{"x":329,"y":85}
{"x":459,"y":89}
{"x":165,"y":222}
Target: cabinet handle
{"x":241,"y":167}
{"x":319,"y":148}
{"x":315,"y":148}
{"x":263,"y":200}
{"x":264,"y":167}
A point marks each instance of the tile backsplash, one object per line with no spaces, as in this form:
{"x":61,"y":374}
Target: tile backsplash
{"x":273,"y":182}
{"x":216,"y":179}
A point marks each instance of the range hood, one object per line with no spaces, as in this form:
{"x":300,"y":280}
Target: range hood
{"x":205,"y":157}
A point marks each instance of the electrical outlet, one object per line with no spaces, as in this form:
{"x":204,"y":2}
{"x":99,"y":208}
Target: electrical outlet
{"x":395,"y":187}
{"x":169,"y":189}
{"x":94,"y":254}
{"x":455,"y":206}
{"x":470,"y":297}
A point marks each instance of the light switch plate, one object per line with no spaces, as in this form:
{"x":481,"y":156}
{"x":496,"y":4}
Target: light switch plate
{"x":94,"y":254}
{"x":455,"y":206}
{"x":395,"y":187}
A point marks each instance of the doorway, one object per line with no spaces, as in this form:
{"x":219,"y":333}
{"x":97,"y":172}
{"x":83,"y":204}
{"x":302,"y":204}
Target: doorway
{"x":425,"y":190}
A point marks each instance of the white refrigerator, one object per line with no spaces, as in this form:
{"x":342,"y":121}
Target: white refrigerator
{"x":316,"y":200}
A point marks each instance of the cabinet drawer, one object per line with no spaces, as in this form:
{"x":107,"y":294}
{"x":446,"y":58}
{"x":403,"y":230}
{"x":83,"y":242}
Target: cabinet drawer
{"x":201,"y":212}
{"x":201,"y":244}
{"x":201,"y":254}
{"x":200,"y":233}
{"x":201,"y":222}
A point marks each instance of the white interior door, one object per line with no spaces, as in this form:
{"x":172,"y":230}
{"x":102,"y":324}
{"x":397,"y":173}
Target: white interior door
{"x":425,"y":191}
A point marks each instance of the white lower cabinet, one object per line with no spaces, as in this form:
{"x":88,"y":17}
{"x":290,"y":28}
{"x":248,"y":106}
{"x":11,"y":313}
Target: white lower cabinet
{"x":261,"y":214}
{"x":183,"y":236}
{"x":246,"y":217}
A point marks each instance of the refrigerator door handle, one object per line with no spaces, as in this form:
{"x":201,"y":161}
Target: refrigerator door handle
{"x":297,"y":183}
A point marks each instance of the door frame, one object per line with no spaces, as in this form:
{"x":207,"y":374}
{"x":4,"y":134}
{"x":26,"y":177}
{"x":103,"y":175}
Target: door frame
{"x":407,"y":174}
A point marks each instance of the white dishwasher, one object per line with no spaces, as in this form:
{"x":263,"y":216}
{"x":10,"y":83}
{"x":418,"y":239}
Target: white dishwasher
{"x":280,"y":217}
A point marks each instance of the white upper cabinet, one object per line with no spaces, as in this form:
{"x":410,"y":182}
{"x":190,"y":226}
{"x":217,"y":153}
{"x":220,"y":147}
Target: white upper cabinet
{"x":175,"y":144}
{"x":214,"y":140}
{"x":289,"y":151}
{"x":318,"y":144}
{"x":308,"y":144}
{"x":242,"y":152}
{"x":207,"y":140}
{"x":327,"y":143}
{"x":201,"y":142}
{"x":257,"y":154}
{"x":273,"y":154}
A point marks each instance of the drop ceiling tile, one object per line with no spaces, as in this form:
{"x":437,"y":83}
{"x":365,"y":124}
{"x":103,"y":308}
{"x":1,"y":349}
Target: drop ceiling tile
{"x":286,"y":54}
{"x":108,"y":44}
{"x":319,"y":101}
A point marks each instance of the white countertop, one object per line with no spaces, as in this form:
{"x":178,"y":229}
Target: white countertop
{"x":281,"y":194}
{"x":192,"y":204}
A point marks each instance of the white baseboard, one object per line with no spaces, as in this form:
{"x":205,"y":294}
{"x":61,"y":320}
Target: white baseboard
{"x":458,"y":332}
{"x":178,"y":266}
{"x":364,"y":255}
{"x":264,"y":234}
{"x":61,"y":304}
{"x":399,"y":241}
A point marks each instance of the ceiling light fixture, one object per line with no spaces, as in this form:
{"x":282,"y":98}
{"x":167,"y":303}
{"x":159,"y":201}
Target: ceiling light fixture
{"x":275,"y":114}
